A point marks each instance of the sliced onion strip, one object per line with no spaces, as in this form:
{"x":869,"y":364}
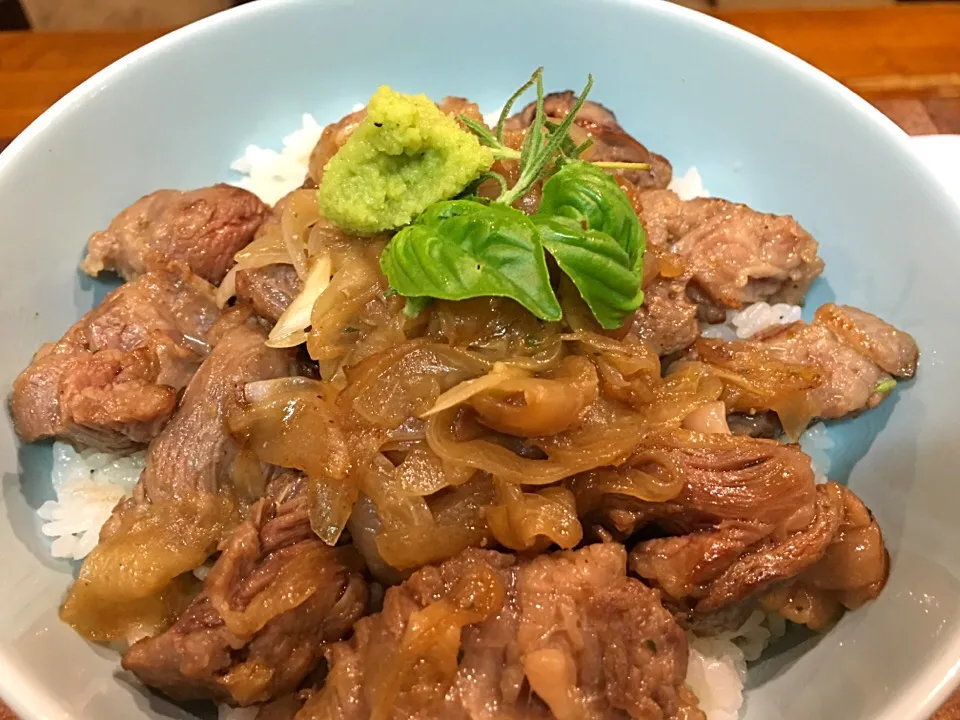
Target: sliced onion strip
{"x":291,"y":328}
{"x":228,"y":288}
{"x":499,"y":374}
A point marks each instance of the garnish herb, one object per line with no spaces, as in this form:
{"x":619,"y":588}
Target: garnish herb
{"x":471,"y":247}
{"x":885,"y":386}
{"x":598,"y":266}
{"x":461,"y":249}
{"x":583,"y":193}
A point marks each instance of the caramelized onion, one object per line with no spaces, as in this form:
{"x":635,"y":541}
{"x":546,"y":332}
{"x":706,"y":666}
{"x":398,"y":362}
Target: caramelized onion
{"x":292,"y":325}
{"x":628,"y":370}
{"x":568,"y":454}
{"x":461,"y":393}
{"x":576,"y":312}
{"x":296,"y":428}
{"x":432,"y":637}
{"x":356,"y":281}
{"x":266,"y":249}
{"x":552,"y":674}
{"x":533,"y":407}
{"x":331,"y":502}
{"x":708,"y":418}
{"x":364,"y":526}
{"x":457,"y":523}
{"x":260,"y":390}
{"x":394,"y":507}
{"x":406,"y":380}
{"x":754,"y":382}
{"x":300,"y":212}
{"x":660,"y":479}
{"x":291,"y":423}
{"x":128,"y":582}
{"x":423,"y":473}
{"x":227,"y":288}
{"x":533,"y":520}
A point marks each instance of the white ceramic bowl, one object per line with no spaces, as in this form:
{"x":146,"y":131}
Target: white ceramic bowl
{"x":763,"y":128}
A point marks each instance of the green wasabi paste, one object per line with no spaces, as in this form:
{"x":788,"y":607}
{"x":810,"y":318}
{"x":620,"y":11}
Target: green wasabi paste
{"x":405,"y":156}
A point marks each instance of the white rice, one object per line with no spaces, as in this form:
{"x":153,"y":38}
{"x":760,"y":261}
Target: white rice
{"x":717,"y":667}
{"x":225,"y":712}
{"x":493,"y":117}
{"x":270,"y":174}
{"x":89,"y":484}
{"x":744,"y":324}
{"x":689,"y":185}
{"x":817,"y":443}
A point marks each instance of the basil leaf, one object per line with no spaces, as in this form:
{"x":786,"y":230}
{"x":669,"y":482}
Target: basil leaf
{"x":459,"y":249}
{"x":584,"y":193}
{"x":598,"y":266}
{"x":416,"y":305}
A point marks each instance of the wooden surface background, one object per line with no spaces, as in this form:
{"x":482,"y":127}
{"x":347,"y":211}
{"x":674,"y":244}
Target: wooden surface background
{"x":888,"y":55}
{"x":904,"y":59}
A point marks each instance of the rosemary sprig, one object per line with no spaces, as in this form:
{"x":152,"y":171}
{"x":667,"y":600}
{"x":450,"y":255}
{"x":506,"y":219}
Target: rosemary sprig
{"x":546,"y":146}
{"x":508,"y":106}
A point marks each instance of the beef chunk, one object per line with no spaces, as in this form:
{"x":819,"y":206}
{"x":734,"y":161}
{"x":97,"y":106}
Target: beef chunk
{"x":611,"y":143}
{"x":203,"y":228}
{"x":269,"y":290}
{"x":112,"y":381}
{"x":735,"y":255}
{"x":847,"y":354}
{"x":276,"y":595}
{"x":487,"y":636}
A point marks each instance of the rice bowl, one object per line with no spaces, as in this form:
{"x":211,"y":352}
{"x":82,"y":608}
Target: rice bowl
{"x":89,"y":484}
{"x":727,"y":189}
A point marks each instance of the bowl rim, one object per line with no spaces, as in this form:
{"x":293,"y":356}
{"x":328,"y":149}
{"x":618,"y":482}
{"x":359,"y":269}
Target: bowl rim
{"x":922,"y":698}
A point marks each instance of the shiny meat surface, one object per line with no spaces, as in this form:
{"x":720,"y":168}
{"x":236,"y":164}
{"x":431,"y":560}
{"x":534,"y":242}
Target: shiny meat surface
{"x":778,"y":559}
{"x":611,"y":143}
{"x":829,"y":369}
{"x":203,"y":228}
{"x":269,"y":290}
{"x":667,"y":320}
{"x":736,"y":255}
{"x":851,"y":382}
{"x":276,"y":595}
{"x":724,"y":478}
{"x":681,"y":566}
{"x":195,"y":452}
{"x":892,"y":350}
{"x":112,"y":381}
{"x":845,"y":344}
{"x":485,"y":636}
{"x":852,"y":571}
{"x":189,"y":498}
{"x":748,"y":522}
{"x":455,"y":106}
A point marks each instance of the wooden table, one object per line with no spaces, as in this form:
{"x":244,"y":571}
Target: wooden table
{"x":905,"y":59}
